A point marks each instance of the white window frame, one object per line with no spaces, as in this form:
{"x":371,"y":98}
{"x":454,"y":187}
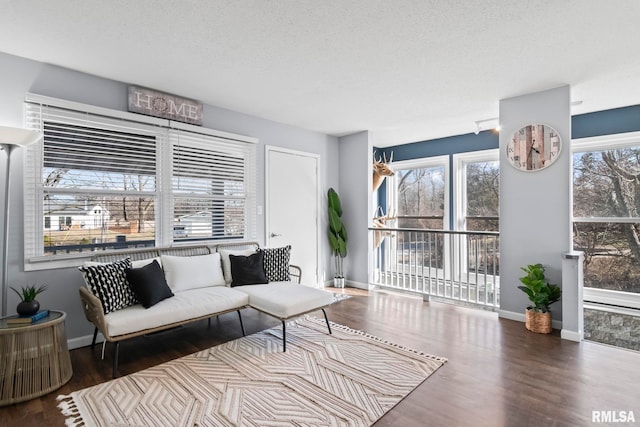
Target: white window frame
{"x":600,"y":143}
{"x":426,"y":162}
{"x":392,"y":196}
{"x":35,"y":259}
{"x":460,"y":162}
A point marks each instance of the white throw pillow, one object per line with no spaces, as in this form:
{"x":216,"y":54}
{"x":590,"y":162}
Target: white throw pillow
{"x":190,"y":272}
{"x":226,"y":263}
{"x":142,"y":262}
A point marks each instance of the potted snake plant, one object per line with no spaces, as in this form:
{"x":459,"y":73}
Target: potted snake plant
{"x":541,"y":294}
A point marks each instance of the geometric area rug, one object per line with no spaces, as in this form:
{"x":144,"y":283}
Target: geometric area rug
{"x":349,"y":378}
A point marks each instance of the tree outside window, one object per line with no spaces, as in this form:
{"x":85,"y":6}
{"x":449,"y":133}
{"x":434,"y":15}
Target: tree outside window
{"x":482,"y":196}
{"x":421,"y":198}
{"x":606,"y":210}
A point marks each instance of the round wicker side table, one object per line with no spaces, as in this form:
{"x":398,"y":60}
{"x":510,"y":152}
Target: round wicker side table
{"x":34,"y":358}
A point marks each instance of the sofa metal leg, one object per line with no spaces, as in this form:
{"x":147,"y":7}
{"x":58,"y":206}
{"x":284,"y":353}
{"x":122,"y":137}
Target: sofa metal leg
{"x":326,"y":320}
{"x":241,"y":324}
{"x":284,"y":337}
{"x":95,"y":335}
{"x":115,"y":359}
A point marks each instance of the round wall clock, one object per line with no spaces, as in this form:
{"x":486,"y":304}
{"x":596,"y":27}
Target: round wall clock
{"x":534,"y":147}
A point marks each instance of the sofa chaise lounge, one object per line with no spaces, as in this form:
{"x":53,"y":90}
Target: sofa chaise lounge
{"x":198,"y":283}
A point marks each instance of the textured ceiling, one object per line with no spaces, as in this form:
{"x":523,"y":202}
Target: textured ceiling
{"x":406,"y":70}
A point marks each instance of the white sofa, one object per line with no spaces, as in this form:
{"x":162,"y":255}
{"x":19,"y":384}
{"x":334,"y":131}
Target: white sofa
{"x":196,"y":295}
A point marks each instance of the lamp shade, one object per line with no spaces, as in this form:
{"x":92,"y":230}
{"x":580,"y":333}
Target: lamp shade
{"x":18,"y":136}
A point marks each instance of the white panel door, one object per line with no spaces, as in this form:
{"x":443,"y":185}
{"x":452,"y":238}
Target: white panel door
{"x":292,"y":205}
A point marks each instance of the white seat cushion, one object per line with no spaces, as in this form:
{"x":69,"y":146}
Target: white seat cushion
{"x":285,"y":299}
{"x":184,"y":305}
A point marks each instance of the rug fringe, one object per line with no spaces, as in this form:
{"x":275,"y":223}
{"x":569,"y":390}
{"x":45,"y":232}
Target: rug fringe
{"x":318,"y":321}
{"x":69,"y":409}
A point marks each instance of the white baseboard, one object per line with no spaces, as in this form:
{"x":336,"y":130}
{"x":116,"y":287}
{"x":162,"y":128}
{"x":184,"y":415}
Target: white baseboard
{"x":511,"y":315}
{"x":83,"y":341}
{"x":571,"y":335}
{"x":359,"y":285}
{"x":520,"y":317}
{"x":351,"y":284}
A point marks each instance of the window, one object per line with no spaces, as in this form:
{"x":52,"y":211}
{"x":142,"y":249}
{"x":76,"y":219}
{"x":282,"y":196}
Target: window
{"x":101,"y":183}
{"x":477,"y":208}
{"x":428,"y":253}
{"x":606,"y":216}
{"x":209,"y":189}
{"x":477,"y":191}
{"x":419,"y":192}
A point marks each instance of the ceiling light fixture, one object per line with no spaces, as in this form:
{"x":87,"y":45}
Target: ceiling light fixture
{"x":487,"y":124}
{"x":494,"y":123}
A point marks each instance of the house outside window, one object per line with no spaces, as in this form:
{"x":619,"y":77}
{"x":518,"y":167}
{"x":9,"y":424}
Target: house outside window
{"x":103,"y":183}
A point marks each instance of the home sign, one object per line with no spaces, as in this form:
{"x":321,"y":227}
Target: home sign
{"x":158,"y":104}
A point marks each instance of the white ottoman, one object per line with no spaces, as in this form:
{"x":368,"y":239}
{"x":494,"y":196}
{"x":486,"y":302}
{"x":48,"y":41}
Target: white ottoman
{"x":285,"y":300}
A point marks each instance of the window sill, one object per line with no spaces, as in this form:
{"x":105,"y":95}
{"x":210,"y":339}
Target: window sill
{"x":51,"y":263}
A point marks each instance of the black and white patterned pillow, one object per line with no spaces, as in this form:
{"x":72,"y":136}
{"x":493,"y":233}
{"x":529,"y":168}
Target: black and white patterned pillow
{"x":109,"y":283}
{"x":276,"y":263}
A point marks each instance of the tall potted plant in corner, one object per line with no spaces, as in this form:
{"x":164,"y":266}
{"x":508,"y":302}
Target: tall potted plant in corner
{"x":337,"y":236}
{"x":542,"y":294}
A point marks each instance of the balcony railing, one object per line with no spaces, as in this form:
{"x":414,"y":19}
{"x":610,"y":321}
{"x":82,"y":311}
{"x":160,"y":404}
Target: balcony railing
{"x":462,"y":266}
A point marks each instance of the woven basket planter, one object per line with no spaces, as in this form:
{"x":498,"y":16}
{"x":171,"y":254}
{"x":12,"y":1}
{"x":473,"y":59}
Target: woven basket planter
{"x":538,"y":322}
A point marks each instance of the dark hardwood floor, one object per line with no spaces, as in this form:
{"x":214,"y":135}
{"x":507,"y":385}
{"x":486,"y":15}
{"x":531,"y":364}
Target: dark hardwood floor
{"x":498,"y":374}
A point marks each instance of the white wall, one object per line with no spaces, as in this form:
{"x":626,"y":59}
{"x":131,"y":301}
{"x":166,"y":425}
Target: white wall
{"x":535,"y":216}
{"x":20,"y":76}
{"x":355,"y":194}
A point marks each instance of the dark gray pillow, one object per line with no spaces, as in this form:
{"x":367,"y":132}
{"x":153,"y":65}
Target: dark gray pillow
{"x":148,"y":284}
{"x":247,"y":270}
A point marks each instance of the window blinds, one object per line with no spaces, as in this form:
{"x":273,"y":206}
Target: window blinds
{"x":212,"y":196}
{"x":178,"y":185}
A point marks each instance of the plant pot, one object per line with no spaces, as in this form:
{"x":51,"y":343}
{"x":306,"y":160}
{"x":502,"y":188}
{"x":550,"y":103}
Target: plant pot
{"x":338,"y":282}
{"x":538,"y":322}
{"x":28,"y":308}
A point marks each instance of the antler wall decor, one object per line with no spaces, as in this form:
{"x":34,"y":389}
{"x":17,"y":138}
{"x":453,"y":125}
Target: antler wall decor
{"x":380,"y":222}
{"x":381,"y":170}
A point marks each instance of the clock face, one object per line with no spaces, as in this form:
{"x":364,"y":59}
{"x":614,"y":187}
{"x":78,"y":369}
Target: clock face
{"x":534,"y":147}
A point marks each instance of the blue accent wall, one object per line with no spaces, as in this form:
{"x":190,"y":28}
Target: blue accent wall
{"x":485,"y":140}
{"x":618,"y":120}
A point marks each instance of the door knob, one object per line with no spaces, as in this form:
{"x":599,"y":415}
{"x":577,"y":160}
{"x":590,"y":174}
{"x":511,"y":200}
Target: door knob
{"x":275,"y":235}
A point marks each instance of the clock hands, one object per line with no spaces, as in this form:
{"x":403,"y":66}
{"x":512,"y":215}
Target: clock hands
{"x":534,"y":149}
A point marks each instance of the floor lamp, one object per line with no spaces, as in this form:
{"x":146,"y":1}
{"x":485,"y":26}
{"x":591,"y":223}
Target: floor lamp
{"x":10,"y":138}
